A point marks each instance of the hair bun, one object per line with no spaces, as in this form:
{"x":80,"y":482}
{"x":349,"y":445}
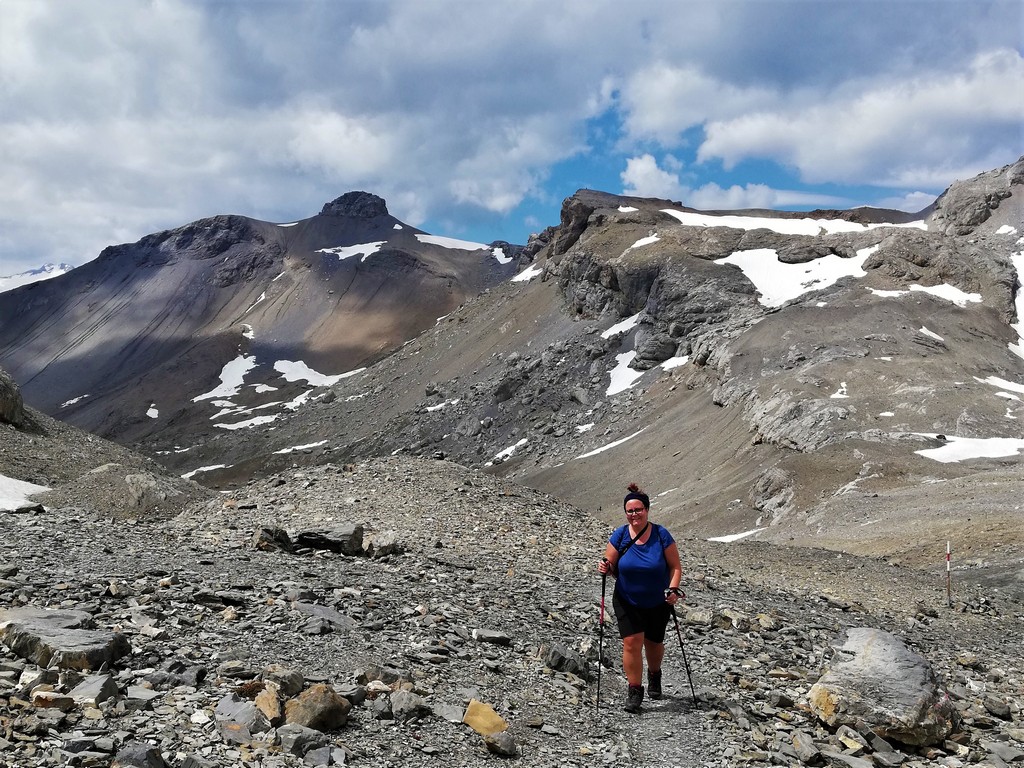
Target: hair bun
{"x":633,"y":488}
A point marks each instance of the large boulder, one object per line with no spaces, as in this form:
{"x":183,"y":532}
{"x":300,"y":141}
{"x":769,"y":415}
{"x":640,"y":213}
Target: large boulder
{"x":483,"y":719}
{"x":876,"y":682}
{"x":239,"y":719}
{"x":346,"y":538}
{"x":137,"y":754}
{"x":575,"y":213}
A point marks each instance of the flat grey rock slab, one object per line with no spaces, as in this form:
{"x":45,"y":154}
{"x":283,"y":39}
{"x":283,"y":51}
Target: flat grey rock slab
{"x":57,"y":638}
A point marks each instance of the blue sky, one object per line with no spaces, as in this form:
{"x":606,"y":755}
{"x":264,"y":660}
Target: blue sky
{"x":476,"y":119}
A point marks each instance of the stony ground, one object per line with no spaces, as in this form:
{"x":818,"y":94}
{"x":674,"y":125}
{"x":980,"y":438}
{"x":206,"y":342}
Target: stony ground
{"x":89,"y":472}
{"x":490,"y":593}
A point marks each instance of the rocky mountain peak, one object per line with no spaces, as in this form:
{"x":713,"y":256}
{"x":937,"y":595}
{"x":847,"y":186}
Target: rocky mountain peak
{"x":968,"y":203}
{"x":362,"y":205}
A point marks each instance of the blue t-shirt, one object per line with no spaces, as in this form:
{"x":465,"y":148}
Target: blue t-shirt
{"x":643,"y":571}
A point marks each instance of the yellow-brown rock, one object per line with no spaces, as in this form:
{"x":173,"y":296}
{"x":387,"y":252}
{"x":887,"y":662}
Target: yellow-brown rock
{"x":268,"y":701}
{"x":483,"y":719}
{"x":319,"y":707}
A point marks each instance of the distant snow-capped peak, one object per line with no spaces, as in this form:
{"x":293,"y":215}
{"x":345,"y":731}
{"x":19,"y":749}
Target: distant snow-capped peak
{"x":44,"y":272}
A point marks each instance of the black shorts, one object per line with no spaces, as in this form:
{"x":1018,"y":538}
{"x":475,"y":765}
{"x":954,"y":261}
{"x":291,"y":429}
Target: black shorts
{"x":633,"y":619}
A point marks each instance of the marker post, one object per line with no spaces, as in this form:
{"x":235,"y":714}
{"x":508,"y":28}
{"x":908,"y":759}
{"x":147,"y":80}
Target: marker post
{"x":949,"y":582}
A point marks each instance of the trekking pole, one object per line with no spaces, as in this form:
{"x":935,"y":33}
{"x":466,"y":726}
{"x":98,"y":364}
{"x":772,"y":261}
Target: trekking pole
{"x":600,"y":641}
{"x":682,"y":647}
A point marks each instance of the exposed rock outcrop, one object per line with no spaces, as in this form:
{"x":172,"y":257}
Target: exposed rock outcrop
{"x":968,"y":203}
{"x":12,"y":408}
{"x":60,"y":639}
{"x":362,"y":205}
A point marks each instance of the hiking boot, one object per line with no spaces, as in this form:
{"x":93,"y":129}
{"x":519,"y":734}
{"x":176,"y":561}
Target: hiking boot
{"x":654,"y":684}
{"x":634,"y":698}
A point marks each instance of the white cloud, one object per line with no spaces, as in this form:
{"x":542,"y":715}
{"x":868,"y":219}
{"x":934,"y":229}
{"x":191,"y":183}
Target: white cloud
{"x":643,"y":178}
{"x":910,"y":202}
{"x":662,"y":101}
{"x":917,"y":131}
{"x":129,"y":118}
{"x":712,"y":196}
{"x":342,"y":146}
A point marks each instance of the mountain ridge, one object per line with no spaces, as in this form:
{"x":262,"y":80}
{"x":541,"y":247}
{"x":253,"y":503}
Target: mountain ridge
{"x":531,"y":360}
{"x":44,"y":272}
{"x":758,"y":373}
{"x":194,"y":297}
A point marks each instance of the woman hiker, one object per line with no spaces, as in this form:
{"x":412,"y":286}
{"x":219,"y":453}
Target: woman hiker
{"x":645,"y":561}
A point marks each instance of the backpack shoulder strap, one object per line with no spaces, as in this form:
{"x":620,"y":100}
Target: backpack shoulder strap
{"x":632,"y":541}
{"x":660,"y":531}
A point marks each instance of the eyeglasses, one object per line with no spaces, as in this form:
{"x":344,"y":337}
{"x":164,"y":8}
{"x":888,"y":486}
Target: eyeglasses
{"x":634,"y":512}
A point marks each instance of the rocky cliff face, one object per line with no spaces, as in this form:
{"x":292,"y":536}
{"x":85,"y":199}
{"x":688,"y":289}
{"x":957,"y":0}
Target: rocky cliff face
{"x":362,"y":205}
{"x":968,"y":204}
{"x":690,"y":305}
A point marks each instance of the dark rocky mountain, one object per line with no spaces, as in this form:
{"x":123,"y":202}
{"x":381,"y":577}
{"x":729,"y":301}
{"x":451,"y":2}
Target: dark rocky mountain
{"x":126,"y":345}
